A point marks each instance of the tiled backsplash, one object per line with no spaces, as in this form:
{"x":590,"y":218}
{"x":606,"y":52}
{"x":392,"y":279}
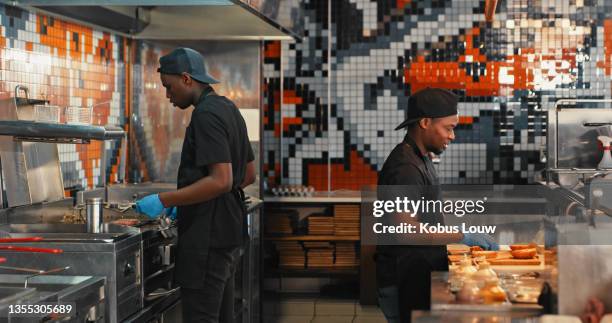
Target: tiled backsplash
{"x":508,"y":73}
{"x":69,"y":65}
{"x":73,"y":65}
{"x":158,"y":128}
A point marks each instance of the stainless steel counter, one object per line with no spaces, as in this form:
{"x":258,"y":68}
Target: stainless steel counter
{"x":115,"y":254}
{"x":85,"y":293}
{"x":443,"y":300}
{"x":318,"y":197}
{"x":445,"y":309}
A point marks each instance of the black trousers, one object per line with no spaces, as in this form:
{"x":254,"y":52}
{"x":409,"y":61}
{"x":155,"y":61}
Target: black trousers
{"x":411,"y":274}
{"x":215,"y":301}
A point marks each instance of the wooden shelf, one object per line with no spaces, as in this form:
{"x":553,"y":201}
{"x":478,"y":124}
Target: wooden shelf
{"x":311,"y":272}
{"x":312,"y":238}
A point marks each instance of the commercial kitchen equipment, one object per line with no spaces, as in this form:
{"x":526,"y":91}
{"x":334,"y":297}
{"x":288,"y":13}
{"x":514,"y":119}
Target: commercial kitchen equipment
{"x":29,"y":152}
{"x":579,"y":194}
{"x":113,"y":254}
{"x":84,"y":293}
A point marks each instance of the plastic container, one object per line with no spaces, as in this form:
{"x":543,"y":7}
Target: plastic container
{"x":470,"y":293}
{"x":460,"y":273}
{"x":78,"y":115}
{"x":484,"y":274}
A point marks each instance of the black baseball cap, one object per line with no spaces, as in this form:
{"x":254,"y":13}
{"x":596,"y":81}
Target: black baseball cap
{"x":185,"y":60}
{"x":430,"y":103}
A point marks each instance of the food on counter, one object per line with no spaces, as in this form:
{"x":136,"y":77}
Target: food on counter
{"x":470,"y":293}
{"x":523,"y":246}
{"x":476,"y":248}
{"x":519,"y":255}
{"x":487,"y":254}
{"x":492,"y":293}
{"x":457,"y":249}
{"x":484,"y":273}
{"x":455,"y":258}
{"x":515,"y":262}
{"x":458,"y":274}
{"x":524,"y":253}
{"x":126,"y":222}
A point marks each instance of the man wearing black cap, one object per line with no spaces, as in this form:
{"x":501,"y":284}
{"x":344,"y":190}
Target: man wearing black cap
{"x":403,"y":271}
{"x":216,"y":162}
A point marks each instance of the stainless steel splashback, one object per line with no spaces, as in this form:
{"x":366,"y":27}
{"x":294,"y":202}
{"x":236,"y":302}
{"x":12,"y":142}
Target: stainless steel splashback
{"x":31,"y":170}
{"x":572,"y":137}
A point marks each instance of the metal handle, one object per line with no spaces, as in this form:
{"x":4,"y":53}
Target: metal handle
{"x":31,"y":249}
{"x":13,"y":240}
{"x":24,"y":89}
{"x":597,"y":124}
{"x":168,"y":292}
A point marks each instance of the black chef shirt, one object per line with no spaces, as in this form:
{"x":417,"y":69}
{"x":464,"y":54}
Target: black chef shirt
{"x":216,"y":134}
{"x":414,"y":175}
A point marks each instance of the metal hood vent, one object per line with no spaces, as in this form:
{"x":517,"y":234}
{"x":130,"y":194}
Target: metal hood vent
{"x":209,"y":22}
{"x":163,"y":20}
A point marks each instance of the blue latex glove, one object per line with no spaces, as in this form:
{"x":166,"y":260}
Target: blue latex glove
{"x":171,"y":213}
{"x":480,"y":239}
{"x":150,"y":206}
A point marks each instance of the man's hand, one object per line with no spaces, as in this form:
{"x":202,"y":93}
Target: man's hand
{"x":150,"y":206}
{"x":480,"y":239}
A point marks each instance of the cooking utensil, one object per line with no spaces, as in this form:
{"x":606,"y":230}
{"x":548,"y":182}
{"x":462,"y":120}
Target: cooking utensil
{"x":14,"y":240}
{"x":31,"y":249}
{"x":23,"y":269}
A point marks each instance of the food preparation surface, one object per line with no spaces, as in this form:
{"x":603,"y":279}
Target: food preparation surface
{"x":501,"y":260}
{"x":443,"y":300}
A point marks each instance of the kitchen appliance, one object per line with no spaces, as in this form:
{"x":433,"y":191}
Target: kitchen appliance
{"x":114,"y":253}
{"x":84,"y":293}
{"x":578,"y":189}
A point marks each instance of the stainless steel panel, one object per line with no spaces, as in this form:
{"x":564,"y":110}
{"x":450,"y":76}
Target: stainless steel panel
{"x":15,"y":172}
{"x":576,"y":137}
{"x":82,"y":196}
{"x":287,"y":13}
{"x":44,"y":172}
{"x":40,"y":131}
{"x":91,"y":257}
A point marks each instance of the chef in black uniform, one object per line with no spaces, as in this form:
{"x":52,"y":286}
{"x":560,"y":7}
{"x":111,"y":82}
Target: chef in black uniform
{"x":403,"y":270}
{"x":216,"y":163}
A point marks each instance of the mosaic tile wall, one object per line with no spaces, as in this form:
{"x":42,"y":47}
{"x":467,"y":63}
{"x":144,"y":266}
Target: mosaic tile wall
{"x":69,"y":65}
{"x":158,"y":128}
{"x":508,"y":73}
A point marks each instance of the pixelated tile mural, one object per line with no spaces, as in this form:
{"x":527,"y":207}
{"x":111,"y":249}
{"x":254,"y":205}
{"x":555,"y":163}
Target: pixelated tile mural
{"x":507,"y":72}
{"x":69,"y":65}
{"x":156,"y":136}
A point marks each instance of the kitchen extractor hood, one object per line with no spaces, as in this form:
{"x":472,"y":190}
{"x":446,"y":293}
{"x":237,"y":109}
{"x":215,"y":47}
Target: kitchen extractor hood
{"x":182,"y":19}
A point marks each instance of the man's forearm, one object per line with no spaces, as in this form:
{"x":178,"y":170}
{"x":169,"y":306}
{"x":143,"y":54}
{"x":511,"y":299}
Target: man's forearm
{"x":203,"y":190}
